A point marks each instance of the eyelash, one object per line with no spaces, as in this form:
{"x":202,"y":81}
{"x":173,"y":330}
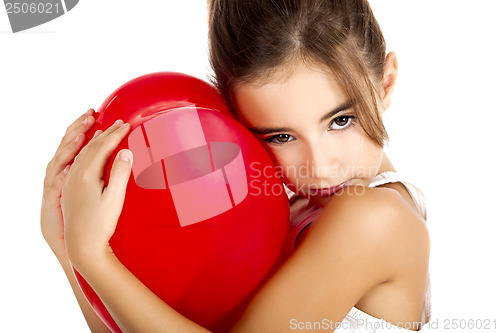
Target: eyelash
{"x":352,"y":119}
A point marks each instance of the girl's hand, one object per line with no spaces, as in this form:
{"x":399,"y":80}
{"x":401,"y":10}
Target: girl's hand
{"x":51,"y":216}
{"x":90,"y":209}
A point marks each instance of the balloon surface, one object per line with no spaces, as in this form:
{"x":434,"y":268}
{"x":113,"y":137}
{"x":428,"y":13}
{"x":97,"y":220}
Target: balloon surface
{"x":205,"y":215}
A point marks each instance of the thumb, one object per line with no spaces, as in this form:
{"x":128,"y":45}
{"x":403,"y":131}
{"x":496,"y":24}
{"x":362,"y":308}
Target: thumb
{"x":119,"y":175}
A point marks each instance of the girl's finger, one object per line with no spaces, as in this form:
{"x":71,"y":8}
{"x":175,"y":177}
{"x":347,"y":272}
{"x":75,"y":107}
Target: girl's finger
{"x":80,"y":120}
{"x":95,"y":155}
{"x":82,"y":125}
{"x":110,"y":130}
{"x":100,"y":136}
{"x":119,"y":175}
{"x":96,"y":134}
{"x":64,"y":155}
{"x":52,"y":191}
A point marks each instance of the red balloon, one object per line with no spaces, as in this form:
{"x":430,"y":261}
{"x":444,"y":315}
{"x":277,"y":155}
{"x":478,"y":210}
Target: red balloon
{"x":205,"y":215}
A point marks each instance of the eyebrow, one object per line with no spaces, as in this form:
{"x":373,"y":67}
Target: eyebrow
{"x":269,"y":130}
{"x":339,"y":109}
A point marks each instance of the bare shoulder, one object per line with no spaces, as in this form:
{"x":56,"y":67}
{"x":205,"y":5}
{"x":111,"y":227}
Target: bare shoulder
{"x":360,"y":241}
{"x":376,"y":223}
{"x":374,"y":211}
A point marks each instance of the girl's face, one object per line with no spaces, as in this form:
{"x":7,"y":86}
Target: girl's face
{"x":307,"y":124}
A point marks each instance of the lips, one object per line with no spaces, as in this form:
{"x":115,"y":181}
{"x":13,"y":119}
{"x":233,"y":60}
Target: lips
{"x":324,"y":192}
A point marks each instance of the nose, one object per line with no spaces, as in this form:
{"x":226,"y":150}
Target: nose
{"x":322,"y":163}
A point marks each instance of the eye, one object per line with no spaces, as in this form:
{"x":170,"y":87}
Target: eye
{"x":341,"y":122}
{"x":280,"y":139}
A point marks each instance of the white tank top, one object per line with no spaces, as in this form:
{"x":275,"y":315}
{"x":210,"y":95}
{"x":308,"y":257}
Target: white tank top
{"x":303,"y":213}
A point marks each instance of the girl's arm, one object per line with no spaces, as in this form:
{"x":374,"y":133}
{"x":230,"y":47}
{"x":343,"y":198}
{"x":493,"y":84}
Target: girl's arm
{"x":347,"y":251}
{"x":93,"y":321}
{"x":51,"y":215}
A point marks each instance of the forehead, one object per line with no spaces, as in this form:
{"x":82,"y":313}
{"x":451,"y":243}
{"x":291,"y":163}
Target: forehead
{"x":304,"y":95}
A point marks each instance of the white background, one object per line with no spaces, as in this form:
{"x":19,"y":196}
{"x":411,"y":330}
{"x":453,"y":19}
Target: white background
{"x":443,"y":126}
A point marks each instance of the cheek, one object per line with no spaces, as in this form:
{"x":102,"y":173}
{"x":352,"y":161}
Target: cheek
{"x":369,"y":158}
{"x":357,"y":153}
{"x":348,"y":148}
{"x":286,"y":162}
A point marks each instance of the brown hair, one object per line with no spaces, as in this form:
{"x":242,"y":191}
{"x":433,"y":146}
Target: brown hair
{"x":252,"y":40}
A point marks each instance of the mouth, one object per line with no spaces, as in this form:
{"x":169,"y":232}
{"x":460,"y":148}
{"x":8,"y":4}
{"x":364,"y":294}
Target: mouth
{"x":325,"y":192}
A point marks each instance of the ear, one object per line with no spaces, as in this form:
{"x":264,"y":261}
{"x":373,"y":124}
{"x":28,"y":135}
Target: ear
{"x":390,"y":77}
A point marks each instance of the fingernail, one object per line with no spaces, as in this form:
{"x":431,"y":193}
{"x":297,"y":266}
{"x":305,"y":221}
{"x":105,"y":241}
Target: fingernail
{"x":125,"y":155}
{"x":119,"y":122}
{"x":77,"y":139}
{"x":86,"y":121}
{"x":97,"y":133}
{"x":89,"y":112}
{"x":66,"y":169}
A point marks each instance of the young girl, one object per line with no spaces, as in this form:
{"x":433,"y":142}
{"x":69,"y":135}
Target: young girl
{"x":311,"y":79}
